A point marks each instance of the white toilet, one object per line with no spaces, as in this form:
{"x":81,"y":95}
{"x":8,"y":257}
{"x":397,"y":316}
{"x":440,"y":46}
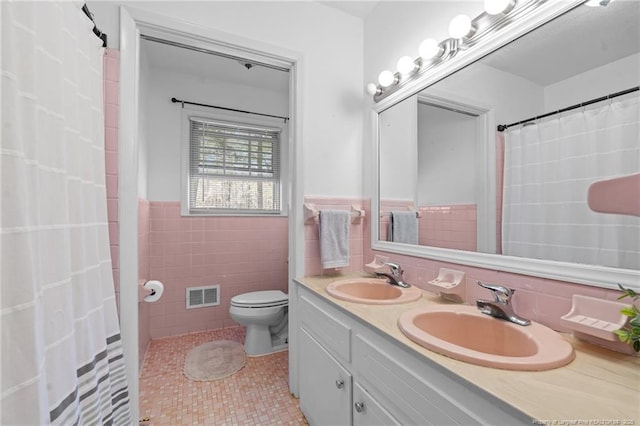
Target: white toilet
{"x":265,"y":314}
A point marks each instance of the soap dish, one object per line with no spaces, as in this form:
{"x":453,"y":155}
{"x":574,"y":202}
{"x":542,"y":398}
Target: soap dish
{"x":449,"y":284}
{"x":596,"y":317}
{"x":378,"y":264}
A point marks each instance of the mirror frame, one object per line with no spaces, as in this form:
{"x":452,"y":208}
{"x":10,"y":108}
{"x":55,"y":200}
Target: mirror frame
{"x":592,"y":275}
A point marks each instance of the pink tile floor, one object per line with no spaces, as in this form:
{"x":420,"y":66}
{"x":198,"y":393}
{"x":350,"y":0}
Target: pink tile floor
{"x":256,"y":395}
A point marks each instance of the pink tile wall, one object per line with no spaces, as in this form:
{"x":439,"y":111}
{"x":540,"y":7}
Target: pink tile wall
{"x":542,"y":300}
{"x":111,"y":78}
{"x":537,"y":298}
{"x":241,"y":254}
{"x":453,"y":227}
{"x":313,"y":265}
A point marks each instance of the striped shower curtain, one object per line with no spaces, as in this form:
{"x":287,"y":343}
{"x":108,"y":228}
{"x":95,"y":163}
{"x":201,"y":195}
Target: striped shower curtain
{"x":548,"y":168}
{"x":62,"y":360}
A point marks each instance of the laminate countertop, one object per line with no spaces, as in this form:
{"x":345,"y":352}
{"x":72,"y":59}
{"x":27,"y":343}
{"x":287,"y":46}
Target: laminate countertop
{"x":599,"y":387}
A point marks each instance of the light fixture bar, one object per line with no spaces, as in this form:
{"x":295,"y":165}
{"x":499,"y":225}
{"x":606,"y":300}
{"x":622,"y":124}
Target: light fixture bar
{"x":465,"y":33}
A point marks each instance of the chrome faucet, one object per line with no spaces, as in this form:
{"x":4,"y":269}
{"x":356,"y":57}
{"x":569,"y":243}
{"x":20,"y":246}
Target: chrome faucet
{"x":395,"y":277}
{"x":501,"y":306}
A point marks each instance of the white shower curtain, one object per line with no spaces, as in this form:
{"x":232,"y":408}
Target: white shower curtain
{"x":548,"y":169}
{"x":62,"y":360}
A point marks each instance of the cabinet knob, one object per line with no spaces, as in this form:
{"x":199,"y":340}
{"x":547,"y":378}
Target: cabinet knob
{"x":359,"y":406}
{"x":339,"y":383}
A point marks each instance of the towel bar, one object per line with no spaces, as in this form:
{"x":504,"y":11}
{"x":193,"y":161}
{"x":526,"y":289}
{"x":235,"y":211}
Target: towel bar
{"x":311,"y":214}
{"x":387,"y":214}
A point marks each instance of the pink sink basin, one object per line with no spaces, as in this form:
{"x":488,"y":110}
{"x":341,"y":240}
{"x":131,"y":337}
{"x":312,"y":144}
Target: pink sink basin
{"x":372,"y":291}
{"x":463,"y":333}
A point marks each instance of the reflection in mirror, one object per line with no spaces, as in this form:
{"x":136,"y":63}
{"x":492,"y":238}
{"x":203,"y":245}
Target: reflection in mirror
{"x":524,"y":191}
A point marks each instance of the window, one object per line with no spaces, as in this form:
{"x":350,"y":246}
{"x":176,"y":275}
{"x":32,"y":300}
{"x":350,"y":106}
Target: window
{"x":233,"y":168}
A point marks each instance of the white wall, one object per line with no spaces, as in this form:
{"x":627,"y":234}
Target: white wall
{"x":165,"y":120}
{"x":512,"y":97}
{"x":143,"y":144}
{"x":614,"y":77}
{"x":331,"y":46}
{"x":399,"y":154}
{"x":515,"y":98}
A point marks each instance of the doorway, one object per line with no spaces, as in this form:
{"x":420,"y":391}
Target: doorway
{"x":464,"y":132}
{"x":158,"y":59}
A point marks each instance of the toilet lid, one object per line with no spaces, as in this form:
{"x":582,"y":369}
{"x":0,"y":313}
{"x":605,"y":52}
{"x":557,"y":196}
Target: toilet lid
{"x":260,"y":298}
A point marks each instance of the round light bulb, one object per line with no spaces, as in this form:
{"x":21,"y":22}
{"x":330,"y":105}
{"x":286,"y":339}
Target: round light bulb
{"x":460,"y":26}
{"x":429,"y":48}
{"x":372,"y":89}
{"x":386,"y":78}
{"x":406,"y":65}
{"x":496,"y":7}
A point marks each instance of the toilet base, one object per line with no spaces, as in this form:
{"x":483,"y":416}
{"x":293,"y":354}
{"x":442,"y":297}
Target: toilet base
{"x":275,"y":350}
{"x":259,"y":341}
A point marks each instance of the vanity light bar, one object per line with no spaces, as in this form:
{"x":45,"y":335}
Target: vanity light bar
{"x":464,"y":34}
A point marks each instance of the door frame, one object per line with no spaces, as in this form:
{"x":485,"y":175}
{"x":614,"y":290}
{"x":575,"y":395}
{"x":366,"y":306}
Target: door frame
{"x":133,"y":24}
{"x":486,"y":191}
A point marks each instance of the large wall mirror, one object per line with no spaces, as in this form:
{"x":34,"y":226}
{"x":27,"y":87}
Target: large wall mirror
{"x":517,"y":200}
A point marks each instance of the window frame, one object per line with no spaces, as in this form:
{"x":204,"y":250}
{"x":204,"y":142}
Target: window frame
{"x":239,"y":120}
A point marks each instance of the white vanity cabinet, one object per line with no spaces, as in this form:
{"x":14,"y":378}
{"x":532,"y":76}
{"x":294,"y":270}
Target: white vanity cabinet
{"x":324,"y":351}
{"x":326,"y":387}
{"x":368,"y":411}
{"x":352,"y":374}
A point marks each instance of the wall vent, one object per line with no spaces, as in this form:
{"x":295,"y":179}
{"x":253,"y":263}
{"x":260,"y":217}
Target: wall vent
{"x":200,"y":297}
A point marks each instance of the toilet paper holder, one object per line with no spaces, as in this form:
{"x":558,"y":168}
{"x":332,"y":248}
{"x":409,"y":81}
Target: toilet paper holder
{"x":150,"y":291}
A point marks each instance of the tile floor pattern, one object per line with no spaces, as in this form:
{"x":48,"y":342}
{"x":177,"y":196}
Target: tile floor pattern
{"x":256,"y":395}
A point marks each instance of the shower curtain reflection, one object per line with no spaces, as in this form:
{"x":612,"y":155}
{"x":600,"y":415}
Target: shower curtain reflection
{"x":548,"y":168}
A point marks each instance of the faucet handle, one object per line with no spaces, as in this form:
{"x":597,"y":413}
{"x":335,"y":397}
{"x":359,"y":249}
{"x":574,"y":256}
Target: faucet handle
{"x":396,"y":270}
{"x":500,"y":293}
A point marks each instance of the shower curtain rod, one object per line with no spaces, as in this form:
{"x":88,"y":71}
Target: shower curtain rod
{"x":102,"y":36}
{"x":174,"y":100}
{"x":503,"y":127}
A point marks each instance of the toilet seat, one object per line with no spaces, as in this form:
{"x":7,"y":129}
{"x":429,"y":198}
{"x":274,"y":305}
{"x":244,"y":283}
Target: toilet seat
{"x":260,"y":299}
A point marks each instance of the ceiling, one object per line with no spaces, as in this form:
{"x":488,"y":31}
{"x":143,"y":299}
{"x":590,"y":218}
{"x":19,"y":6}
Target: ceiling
{"x":582,"y":39}
{"x":359,"y":9}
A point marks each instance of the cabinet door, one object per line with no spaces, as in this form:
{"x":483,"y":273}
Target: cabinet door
{"x":367,"y":411}
{"x":325,"y":386}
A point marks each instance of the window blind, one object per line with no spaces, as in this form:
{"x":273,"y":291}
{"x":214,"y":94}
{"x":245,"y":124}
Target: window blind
{"x":233,"y":168}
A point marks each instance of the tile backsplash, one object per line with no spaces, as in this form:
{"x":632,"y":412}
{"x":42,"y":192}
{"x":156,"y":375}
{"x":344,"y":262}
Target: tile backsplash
{"x":241,"y":254}
{"x":540,"y":299}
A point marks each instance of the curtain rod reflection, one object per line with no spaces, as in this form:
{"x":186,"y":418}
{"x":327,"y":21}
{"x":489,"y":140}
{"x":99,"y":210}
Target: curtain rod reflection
{"x":503,"y":127}
{"x":174,"y":100}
